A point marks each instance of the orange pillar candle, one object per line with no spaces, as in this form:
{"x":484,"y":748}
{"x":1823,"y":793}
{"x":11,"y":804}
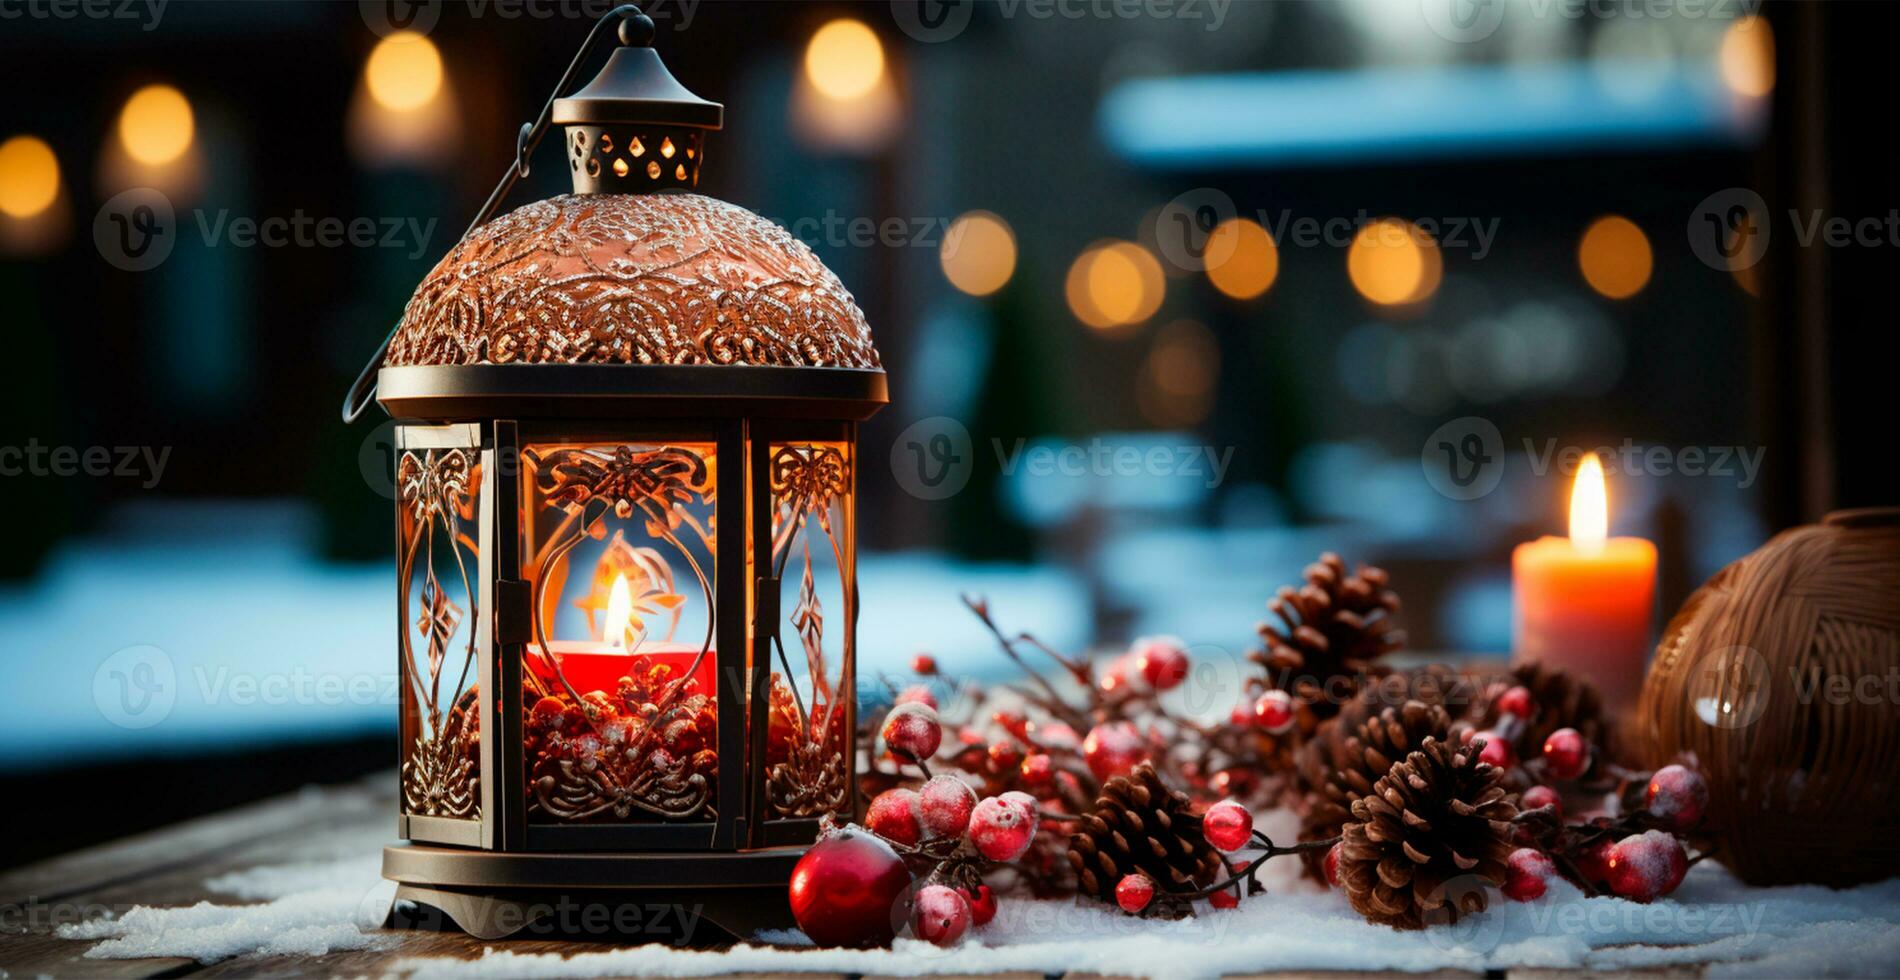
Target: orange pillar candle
{"x":1586,"y":603}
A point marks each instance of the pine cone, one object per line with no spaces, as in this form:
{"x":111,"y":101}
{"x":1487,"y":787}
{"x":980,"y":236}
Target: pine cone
{"x":1435,"y":831}
{"x":1362,"y":758}
{"x":1139,"y":824}
{"x":1563,"y":700}
{"x":1331,"y":629}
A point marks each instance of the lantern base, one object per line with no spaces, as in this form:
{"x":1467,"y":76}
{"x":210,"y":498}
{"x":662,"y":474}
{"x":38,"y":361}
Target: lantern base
{"x":654,"y":897}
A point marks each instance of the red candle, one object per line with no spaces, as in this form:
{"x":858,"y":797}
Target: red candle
{"x":1586,"y":603}
{"x":598,"y":665}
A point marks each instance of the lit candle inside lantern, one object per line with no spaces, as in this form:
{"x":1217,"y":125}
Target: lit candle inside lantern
{"x":1585,"y":603}
{"x":619,"y":619}
{"x":621,"y":649}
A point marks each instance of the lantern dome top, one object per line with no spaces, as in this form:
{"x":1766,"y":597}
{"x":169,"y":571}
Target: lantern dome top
{"x":633,"y":279}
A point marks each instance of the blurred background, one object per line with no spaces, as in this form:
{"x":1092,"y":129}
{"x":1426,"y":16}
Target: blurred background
{"x":1203,"y":285}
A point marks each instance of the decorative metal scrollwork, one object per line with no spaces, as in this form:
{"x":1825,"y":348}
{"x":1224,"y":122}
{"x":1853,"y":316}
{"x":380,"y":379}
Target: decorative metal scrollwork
{"x":440,"y":776}
{"x":620,"y":782}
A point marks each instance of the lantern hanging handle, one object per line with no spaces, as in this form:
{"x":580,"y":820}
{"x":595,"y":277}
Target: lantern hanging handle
{"x":635,"y":29}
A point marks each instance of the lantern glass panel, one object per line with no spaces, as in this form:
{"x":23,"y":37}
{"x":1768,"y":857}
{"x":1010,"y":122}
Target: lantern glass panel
{"x":438,"y":569}
{"x":618,"y":546}
{"x":814,"y":559}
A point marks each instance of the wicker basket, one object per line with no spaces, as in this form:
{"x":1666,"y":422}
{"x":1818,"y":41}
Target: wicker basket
{"x":1781,"y":676}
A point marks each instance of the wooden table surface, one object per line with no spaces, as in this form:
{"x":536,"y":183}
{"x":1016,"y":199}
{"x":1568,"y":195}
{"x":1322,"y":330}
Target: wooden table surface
{"x":170,"y":867}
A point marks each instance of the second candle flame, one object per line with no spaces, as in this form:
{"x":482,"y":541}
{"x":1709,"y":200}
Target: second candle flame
{"x":1589,"y":507}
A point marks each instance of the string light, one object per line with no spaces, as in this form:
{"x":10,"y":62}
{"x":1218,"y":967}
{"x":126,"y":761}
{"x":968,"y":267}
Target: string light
{"x":29,"y":177}
{"x":156,"y":125}
{"x":978,"y":253}
{"x":844,"y":59}
{"x":1615,"y":257}
{"x":404,"y":71}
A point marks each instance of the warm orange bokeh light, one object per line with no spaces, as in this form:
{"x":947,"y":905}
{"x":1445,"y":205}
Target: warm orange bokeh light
{"x":156,"y":125}
{"x":1589,"y":507}
{"x":1115,"y":284}
{"x":404,"y":71}
{"x":844,"y":60}
{"x":1615,"y":257}
{"x":1747,"y":57}
{"x":1242,"y":260}
{"x":1393,"y":262}
{"x":978,"y":253}
{"x":29,"y":177}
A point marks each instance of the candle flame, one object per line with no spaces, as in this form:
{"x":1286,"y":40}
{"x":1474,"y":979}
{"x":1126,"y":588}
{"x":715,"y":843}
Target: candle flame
{"x":619,"y":619}
{"x":1589,"y":506}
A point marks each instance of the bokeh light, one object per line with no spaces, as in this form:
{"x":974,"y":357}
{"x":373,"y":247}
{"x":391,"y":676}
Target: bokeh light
{"x":1242,"y":260}
{"x":1393,"y":263}
{"x":978,"y":253}
{"x":156,"y":125}
{"x":845,"y":59}
{"x":29,"y":176}
{"x":404,"y":71}
{"x":1115,"y":284}
{"x":1615,"y":257}
{"x":1178,"y":377}
{"x":1747,"y":57}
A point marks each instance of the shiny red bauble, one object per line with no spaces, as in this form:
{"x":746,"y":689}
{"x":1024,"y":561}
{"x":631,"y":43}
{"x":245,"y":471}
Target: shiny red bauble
{"x":1227,"y":825}
{"x":1162,"y":661}
{"x":1274,"y":712}
{"x":1566,"y":754}
{"x":1112,"y":749}
{"x":850,"y":890}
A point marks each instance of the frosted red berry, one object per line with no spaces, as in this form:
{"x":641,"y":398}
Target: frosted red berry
{"x":918,"y":694}
{"x":1112,"y":749}
{"x":911,"y":731}
{"x":1540,"y":796}
{"x":924,"y":664}
{"x":1005,"y":756}
{"x":1678,"y":796}
{"x":1527,"y":873}
{"x":896,"y":815}
{"x":1134,"y":892}
{"x":1331,"y":864}
{"x":1516,"y":701}
{"x":1647,"y":866}
{"x":1594,"y":861}
{"x":1038,"y":769}
{"x":939,"y":915}
{"x":1496,"y":750}
{"x":1274,"y":712}
{"x":1001,"y":829}
{"x":1566,"y":754}
{"x":1162,"y":661}
{"x":982,"y":905}
{"x":946,"y":803}
{"x":1227,"y":825}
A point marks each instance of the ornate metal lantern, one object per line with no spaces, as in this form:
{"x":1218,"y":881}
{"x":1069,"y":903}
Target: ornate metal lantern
{"x":626,"y":463}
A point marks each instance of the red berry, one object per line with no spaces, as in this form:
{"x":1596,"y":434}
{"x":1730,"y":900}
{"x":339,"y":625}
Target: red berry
{"x":1241,"y":716}
{"x":940,"y":915}
{"x":1134,"y":892}
{"x":896,"y":815}
{"x":1004,"y":756}
{"x":1496,"y":750}
{"x":1038,"y":769}
{"x":924,"y":664}
{"x":1058,"y":735}
{"x":1273,"y":711}
{"x":918,"y":694}
{"x":1162,"y":661}
{"x":982,"y":905}
{"x":1678,"y":796}
{"x":1001,"y":829}
{"x":911,"y":731}
{"x":1527,"y":873}
{"x":1112,"y":749}
{"x":1566,"y":754}
{"x":1233,"y":782}
{"x":1227,"y":825}
{"x":945,"y":805}
{"x":1540,"y":796}
{"x":1647,"y":866}
{"x":1115,"y":677}
{"x":1594,"y":861}
{"x":1331,"y":864}
{"x":1516,"y":701}
{"x":1223,"y":899}
{"x":847,"y":890}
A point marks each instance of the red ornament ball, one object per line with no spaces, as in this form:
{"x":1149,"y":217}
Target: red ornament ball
{"x":939,"y":915}
{"x":1274,"y":712}
{"x":1162,"y":661}
{"x":1541,"y":795}
{"x":1134,"y":892}
{"x":848,"y":889}
{"x":1112,"y":749}
{"x":1227,"y":825}
{"x":896,"y":815}
{"x":1566,"y":754}
{"x":1001,"y":829}
{"x":911,"y":730}
{"x":1678,"y":796}
{"x":1496,"y":750}
{"x":946,"y":806}
{"x":1516,"y":701}
{"x":982,"y":905}
{"x":1527,"y":874}
{"x":1647,"y":866}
